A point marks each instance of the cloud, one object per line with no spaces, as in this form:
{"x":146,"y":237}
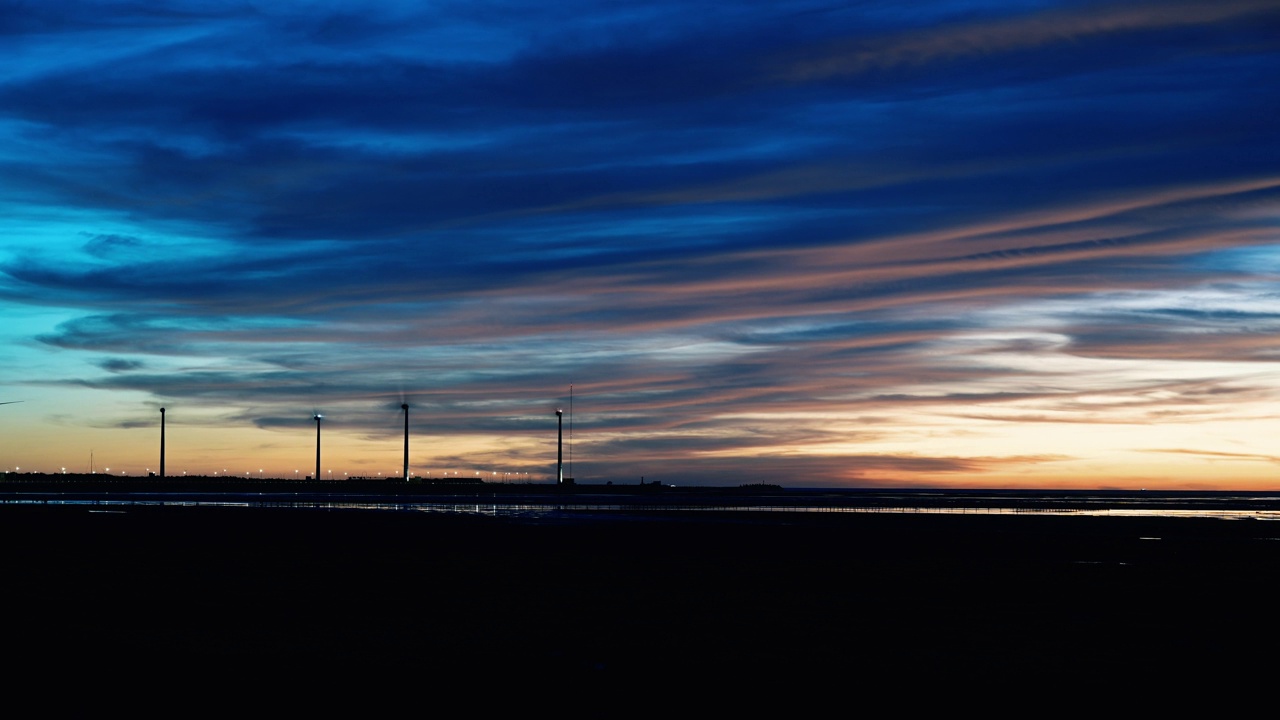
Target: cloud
{"x":800,"y":471}
{"x":851,"y":220}
{"x":1006,"y":35}
{"x":118,"y":365}
{"x":1215,"y":455}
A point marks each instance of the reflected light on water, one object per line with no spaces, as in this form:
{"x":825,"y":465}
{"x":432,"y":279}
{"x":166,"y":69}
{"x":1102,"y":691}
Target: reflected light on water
{"x":553,"y":508}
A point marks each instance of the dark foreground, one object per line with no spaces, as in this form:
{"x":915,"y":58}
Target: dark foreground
{"x":868,"y":601}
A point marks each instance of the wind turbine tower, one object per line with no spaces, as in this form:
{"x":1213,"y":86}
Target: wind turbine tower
{"x":405,"y":475}
{"x":161,"y":442}
{"x":317,"y":419}
{"x":559,"y":447}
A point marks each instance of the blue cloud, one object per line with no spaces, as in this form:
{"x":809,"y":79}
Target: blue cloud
{"x":705,"y":210}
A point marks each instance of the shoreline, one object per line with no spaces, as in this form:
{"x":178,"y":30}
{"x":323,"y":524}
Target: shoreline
{"x":15,"y":485}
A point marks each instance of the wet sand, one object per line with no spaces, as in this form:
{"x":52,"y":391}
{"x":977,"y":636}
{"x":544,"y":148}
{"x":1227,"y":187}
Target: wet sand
{"x":972,"y":600}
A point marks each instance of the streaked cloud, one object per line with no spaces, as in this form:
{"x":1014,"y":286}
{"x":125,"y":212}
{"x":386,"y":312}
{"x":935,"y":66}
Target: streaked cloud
{"x":992,"y":244}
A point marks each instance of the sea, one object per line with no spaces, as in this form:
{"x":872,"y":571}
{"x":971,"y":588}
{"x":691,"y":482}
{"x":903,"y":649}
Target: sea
{"x":540,"y":502}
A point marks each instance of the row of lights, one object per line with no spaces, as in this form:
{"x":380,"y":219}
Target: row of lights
{"x":506,"y":476}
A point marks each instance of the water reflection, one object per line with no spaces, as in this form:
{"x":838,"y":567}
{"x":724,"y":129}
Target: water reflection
{"x":1236,"y":509}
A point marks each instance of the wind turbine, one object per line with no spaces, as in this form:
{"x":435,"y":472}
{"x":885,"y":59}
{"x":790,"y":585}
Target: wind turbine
{"x":317,"y":418}
{"x":161,"y":442}
{"x":571,"y":431}
{"x":405,"y":407}
{"x":559,"y":446}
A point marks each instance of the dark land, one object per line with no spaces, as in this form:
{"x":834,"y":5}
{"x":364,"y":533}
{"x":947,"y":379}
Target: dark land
{"x":864,"y":600}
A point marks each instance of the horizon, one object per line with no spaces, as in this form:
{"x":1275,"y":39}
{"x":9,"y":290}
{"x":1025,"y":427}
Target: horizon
{"x":478,"y":481}
{"x":958,"y":245}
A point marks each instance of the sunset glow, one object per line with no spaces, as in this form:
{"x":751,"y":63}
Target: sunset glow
{"x":965,"y":245}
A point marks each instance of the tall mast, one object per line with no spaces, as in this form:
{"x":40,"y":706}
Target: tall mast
{"x":559,"y":447}
{"x":317,"y":419}
{"x":161,"y":442}
{"x":570,"y":429}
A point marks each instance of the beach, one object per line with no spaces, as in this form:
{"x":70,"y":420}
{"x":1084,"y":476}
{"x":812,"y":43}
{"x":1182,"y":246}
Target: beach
{"x":880,"y":597}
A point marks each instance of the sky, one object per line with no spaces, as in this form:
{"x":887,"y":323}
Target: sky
{"x":938,"y":244}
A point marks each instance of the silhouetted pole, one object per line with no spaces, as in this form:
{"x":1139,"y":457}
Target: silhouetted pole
{"x":405,"y":408}
{"x":317,"y":447}
{"x":559,"y":447}
{"x":570,"y":430}
{"x":161,"y":442}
